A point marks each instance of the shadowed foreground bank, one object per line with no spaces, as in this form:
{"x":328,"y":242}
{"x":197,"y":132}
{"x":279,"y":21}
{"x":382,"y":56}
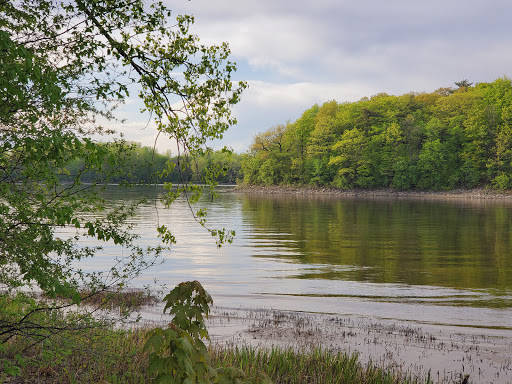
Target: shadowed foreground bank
{"x":103,"y":354}
{"x":116,"y":356}
{"x":290,"y":347}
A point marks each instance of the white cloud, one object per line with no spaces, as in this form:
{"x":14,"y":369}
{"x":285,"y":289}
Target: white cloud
{"x":268,"y":95}
{"x":265,"y":41}
{"x":299,"y":53}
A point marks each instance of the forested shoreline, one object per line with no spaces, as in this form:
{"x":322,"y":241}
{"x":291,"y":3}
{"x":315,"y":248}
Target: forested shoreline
{"x":479,"y":193}
{"x":141,"y":164}
{"x":450,"y":138}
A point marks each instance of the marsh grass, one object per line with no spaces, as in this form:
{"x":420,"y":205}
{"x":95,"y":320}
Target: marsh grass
{"x":107,"y":356}
{"x":97,"y":356}
{"x":287,"y":365}
{"x":52,"y":346}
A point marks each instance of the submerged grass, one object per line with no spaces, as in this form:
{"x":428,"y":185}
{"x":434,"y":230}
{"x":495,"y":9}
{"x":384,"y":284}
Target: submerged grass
{"x":116,"y":300}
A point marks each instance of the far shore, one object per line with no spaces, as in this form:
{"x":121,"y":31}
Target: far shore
{"x":475,"y":193}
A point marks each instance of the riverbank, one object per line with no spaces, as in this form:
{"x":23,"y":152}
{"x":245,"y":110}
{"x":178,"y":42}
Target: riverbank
{"x":289,"y":346}
{"x":66,"y":352}
{"x":445,"y":354}
{"x":476,"y":193}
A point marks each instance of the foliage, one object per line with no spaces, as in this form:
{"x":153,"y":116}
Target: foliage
{"x":144,"y":165}
{"x":433,"y":141}
{"x":96,"y":353}
{"x":177,"y":353}
{"x":64,"y":67}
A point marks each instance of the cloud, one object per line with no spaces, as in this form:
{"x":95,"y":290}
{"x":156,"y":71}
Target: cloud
{"x":298,"y":40}
{"x":266,"y":95}
{"x":267,"y":104}
{"x":298,"y":53}
{"x":266,"y":42}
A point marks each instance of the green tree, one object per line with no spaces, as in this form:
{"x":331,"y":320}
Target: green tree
{"x":432,"y":165}
{"x":299,"y":135}
{"x":321,"y":139}
{"x":463,"y":84}
{"x":324,"y":133}
{"x":64,"y":66}
{"x":222,"y":166}
{"x":497,"y":98}
{"x":395,"y":165}
{"x":353,"y":168}
{"x":251,"y":164}
{"x":270,"y":153}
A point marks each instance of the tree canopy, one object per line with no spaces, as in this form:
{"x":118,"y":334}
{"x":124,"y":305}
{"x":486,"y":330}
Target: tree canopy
{"x":450,"y":138}
{"x":64,"y":68}
{"x":144,"y":165}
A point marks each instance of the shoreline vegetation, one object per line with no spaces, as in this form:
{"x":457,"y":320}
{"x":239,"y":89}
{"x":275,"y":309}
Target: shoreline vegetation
{"x":109,"y":354}
{"x":288,"y":347}
{"x":474,"y":193}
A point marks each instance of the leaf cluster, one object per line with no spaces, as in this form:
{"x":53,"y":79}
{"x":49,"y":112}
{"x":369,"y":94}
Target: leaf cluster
{"x":178,"y":353}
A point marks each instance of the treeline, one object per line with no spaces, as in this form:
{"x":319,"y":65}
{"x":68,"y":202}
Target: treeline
{"x":453,"y":137}
{"x":144,"y":165}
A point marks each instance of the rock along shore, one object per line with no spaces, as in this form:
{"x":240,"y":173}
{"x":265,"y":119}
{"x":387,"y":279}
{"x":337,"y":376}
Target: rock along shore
{"x":476,"y":193}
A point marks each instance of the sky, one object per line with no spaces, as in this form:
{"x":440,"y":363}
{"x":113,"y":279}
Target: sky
{"x":295,"y":54}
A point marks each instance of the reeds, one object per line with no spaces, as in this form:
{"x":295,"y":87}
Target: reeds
{"x":115,"y":300}
{"x":127,"y":300}
{"x":287,"y":365}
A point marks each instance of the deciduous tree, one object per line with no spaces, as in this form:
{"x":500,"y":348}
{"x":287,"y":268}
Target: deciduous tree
{"x":65,"y":66}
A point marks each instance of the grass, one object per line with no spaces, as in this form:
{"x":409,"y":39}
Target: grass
{"x":99,"y":354}
{"x":108,"y":356}
{"x":49,"y":346}
{"x":113,"y":357}
{"x":286,"y":365}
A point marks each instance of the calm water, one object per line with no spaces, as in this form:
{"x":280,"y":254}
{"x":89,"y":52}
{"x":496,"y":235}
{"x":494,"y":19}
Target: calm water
{"x":439,"y":262}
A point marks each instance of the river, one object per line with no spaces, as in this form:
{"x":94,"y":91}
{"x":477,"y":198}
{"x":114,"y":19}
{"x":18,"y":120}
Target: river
{"x":426,"y":261}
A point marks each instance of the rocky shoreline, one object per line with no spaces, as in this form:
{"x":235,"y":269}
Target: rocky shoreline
{"x":476,"y":193}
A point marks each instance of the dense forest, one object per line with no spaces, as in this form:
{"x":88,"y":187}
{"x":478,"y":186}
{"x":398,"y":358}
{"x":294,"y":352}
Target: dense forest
{"x":138,"y":164}
{"x":450,"y":138}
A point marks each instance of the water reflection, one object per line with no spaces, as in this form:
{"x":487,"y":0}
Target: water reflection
{"x":456,"y":244}
{"x":428,"y":261}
